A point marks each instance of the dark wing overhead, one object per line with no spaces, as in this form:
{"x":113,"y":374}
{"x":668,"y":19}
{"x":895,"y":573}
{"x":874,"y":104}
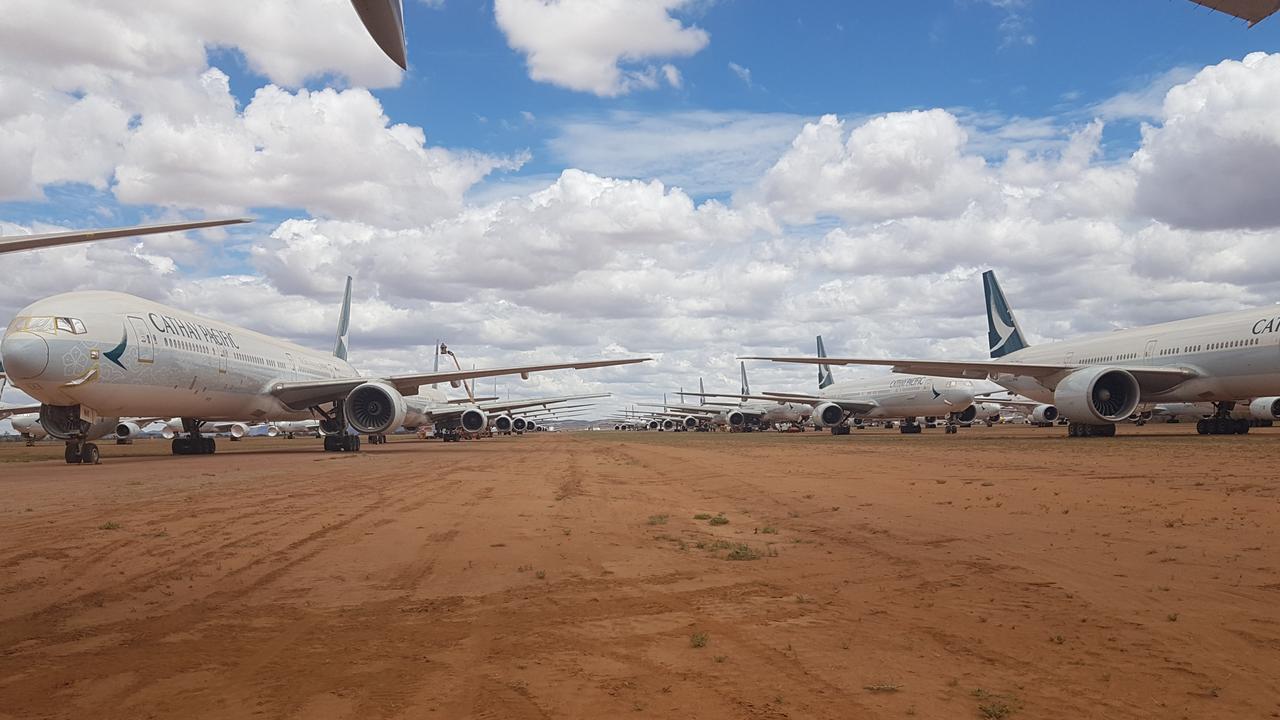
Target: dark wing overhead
{"x":384,"y":19}
{"x":14,"y":243}
{"x":1255,"y":11}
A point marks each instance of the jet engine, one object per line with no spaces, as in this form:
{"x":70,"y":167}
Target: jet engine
{"x":63,"y":422}
{"x":374,"y":408}
{"x":968,"y":414}
{"x":689,"y":422}
{"x":668,"y":424}
{"x":828,"y":414}
{"x":474,"y":420}
{"x":533,"y":426}
{"x":1265,"y":408}
{"x":237,"y":430}
{"x":502,"y":423}
{"x":273,"y":431}
{"x":654,"y":425}
{"x":735,"y":418}
{"x":127,"y":430}
{"x":1098,"y":395}
{"x":520,"y":424}
{"x":1044,"y":414}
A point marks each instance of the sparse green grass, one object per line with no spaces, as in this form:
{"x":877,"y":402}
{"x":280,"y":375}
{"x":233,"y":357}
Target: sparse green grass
{"x":658,"y":519}
{"x":742,"y":551}
{"x":1057,"y":639}
{"x":882,"y":687}
{"x":524,"y":568}
{"x":719,"y":520}
{"x":541,"y":574}
{"x":110,"y":525}
{"x":702,"y":516}
{"x":720,"y":658}
{"x":699,"y":640}
{"x":994,"y":707}
{"x":768,"y":530}
{"x":1172,"y":617}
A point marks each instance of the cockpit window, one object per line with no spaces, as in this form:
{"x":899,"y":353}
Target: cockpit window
{"x":71,"y":326}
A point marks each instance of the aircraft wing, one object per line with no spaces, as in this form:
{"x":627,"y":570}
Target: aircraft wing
{"x":1010,"y":403}
{"x":469,"y":401}
{"x":14,"y":243}
{"x":12,"y":410}
{"x":384,"y":19}
{"x":307,"y":393}
{"x":535,"y":402}
{"x":1255,"y":11}
{"x":857,"y":407}
{"x":1151,"y":379}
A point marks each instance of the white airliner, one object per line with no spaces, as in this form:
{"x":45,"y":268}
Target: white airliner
{"x":751,"y":411}
{"x":92,"y":357}
{"x":289,"y":428}
{"x":907,"y":398}
{"x":1100,"y":380}
{"x":28,"y":426}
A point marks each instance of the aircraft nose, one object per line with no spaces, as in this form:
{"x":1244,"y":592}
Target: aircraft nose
{"x":25,"y":355}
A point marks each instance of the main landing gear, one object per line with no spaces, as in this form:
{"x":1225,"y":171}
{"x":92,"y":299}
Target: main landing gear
{"x":194,"y":443}
{"x":81,"y":453}
{"x":341,"y":443}
{"x":841,"y":429}
{"x":910,"y":426}
{"x":1222,"y":423}
{"x":1083,"y":430}
{"x":378,"y":439}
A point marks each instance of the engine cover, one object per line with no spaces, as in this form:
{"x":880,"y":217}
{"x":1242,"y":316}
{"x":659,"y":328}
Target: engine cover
{"x":735,"y":418}
{"x":502,"y":423}
{"x":128,"y":430}
{"x":474,"y":420}
{"x":1265,"y":408}
{"x":374,"y":408}
{"x":828,"y":414}
{"x":1098,"y":395}
{"x":1044,"y":414}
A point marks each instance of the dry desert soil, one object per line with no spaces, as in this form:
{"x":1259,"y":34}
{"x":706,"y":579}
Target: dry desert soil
{"x":1002,"y":572}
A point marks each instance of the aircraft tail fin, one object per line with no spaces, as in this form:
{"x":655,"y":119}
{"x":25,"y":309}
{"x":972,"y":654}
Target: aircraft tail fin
{"x":824,"y":371}
{"x":746,"y":387}
{"x":1003,"y":334}
{"x":703,"y":392}
{"x":344,"y":324}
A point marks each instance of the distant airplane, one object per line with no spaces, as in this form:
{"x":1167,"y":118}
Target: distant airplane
{"x":92,"y":357}
{"x":908,"y":399}
{"x":16,"y":243}
{"x":1255,"y":11}
{"x":1100,"y":380}
{"x":753,"y":410}
{"x":384,"y":19}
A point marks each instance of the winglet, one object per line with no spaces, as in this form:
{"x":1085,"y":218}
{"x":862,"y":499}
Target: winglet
{"x":344,"y":324}
{"x":1003,"y":334}
{"x":825,"y":377}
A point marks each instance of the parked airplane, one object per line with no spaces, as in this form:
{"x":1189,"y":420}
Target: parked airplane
{"x":1099,"y":380}
{"x":909,"y":398}
{"x":16,"y":243}
{"x":28,"y":426}
{"x":289,"y":428}
{"x":92,"y":357}
{"x":756,"y":411}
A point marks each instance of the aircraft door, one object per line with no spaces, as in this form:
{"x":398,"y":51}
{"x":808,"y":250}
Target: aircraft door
{"x":293,"y":366}
{"x":222,"y":361}
{"x":146,"y":341}
{"x":1150,"y":351}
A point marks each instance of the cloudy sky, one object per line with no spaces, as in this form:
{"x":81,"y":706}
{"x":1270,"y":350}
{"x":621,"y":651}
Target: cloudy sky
{"x":685,"y":179}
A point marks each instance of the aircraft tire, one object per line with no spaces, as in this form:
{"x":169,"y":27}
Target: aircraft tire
{"x":72,"y":455}
{"x":89,"y":454}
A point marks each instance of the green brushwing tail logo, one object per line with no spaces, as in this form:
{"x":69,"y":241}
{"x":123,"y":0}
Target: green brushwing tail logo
{"x":115,"y":353}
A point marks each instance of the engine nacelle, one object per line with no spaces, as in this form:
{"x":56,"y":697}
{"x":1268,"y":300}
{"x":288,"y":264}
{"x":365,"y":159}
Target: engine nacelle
{"x":238,"y":430}
{"x":1098,"y":395}
{"x":273,"y":431}
{"x":668,"y":424}
{"x":1044,"y":414}
{"x":828,"y":414}
{"x":128,"y":430}
{"x":520,"y":424}
{"x":374,"y":408}
{"x":1265,"y":408}
{"x":63,"y":422}
{"x":735,"y":418}
{"x":502,"y":423}
{"x":533,"y":426}
{"x":654,"y":425}
{"x":968,"y":414}
{"x":474,"y":420}
{"x":689,"y":422}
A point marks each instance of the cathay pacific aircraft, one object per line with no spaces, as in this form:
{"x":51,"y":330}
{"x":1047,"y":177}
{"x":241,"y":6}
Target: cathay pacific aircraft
{"x":92,"y":357}
{"x":1100,"y":380}
{"x":906,"y":398}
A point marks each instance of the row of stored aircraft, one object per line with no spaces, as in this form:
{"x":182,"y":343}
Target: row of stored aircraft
{"x":93,"y":358}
